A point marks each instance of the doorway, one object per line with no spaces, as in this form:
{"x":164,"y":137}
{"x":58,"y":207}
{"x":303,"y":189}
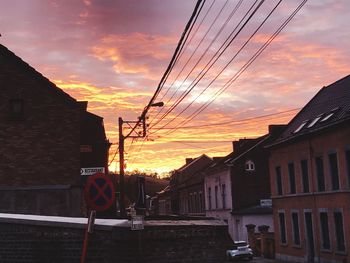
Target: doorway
{"x":310,"y":245}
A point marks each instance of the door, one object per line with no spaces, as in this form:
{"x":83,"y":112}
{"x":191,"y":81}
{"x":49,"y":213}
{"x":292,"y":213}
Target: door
{"x":310,"y":245}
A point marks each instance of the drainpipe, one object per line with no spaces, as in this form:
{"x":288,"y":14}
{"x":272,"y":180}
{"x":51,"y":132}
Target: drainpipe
{"x":314,"y":186}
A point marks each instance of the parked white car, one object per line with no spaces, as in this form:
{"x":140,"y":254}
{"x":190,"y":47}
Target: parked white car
{"x":240,"y":250}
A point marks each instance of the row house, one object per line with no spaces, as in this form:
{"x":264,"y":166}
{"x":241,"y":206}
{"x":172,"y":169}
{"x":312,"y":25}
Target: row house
{"x":236,"y":184}
{"x":187,"y":187}
{"x":46,"y":137}
{"x":185,"y":193}
{"x":310,"y":180}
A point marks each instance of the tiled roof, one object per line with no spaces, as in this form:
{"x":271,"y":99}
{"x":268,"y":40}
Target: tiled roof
{"x":329,"y":107}
{"x":228,"y":159}
{"x":14,"y":62}
{"x":196,"y":165}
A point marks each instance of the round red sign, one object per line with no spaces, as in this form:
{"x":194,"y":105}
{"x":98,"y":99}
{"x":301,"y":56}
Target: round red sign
{"x":99,"y":192}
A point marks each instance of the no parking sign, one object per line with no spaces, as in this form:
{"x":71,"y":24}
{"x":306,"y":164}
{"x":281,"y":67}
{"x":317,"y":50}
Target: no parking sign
{"x":99,"y":192}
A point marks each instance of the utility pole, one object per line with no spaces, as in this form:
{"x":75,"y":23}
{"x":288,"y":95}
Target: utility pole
{"x":121,"y":168}
{"x":132,"y":134}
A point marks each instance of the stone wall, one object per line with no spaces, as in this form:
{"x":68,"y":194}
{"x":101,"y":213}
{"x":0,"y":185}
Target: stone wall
{"x":50,"y":239}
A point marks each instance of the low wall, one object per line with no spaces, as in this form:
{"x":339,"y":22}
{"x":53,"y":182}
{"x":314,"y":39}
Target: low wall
{"x":25,"y":238}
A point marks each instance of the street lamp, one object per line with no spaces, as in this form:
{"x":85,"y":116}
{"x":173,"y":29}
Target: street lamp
{"x":142,"y":119}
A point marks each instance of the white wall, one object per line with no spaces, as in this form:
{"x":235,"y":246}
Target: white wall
{"x":239,"y":228}
{"x":218,"y":179}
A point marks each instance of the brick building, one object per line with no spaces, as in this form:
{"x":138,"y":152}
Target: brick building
{"x":310,"y":176}
{"x":41,"y":132}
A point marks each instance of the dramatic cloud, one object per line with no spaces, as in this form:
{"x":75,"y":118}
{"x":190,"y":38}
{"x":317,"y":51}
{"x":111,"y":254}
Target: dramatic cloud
{"x":113,"y":53}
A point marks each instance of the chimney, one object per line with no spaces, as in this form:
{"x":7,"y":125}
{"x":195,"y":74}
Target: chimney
{"x":189,"y":160}
{"x":235,"y":146}
{"x":83,"y":105}
{"x":276,"y":129}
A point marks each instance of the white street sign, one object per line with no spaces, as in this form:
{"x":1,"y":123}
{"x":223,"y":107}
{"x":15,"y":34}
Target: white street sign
{"x":137,"y":223}
{"x":92,"y":170}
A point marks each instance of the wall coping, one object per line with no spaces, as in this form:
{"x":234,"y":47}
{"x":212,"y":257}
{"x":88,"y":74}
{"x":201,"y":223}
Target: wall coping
{"x":102,"y":224}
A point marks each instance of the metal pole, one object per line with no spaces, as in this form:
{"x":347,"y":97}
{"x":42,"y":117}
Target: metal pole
{"x":121,"y":168}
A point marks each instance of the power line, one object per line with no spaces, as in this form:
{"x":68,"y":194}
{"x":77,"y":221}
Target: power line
{"x":231,"y":60}
{"x":212,"y":61}
{"x":188,"y":60}
{"x":170,"y":65}
{"x":244,"y":68}
{"x":233,"y":121}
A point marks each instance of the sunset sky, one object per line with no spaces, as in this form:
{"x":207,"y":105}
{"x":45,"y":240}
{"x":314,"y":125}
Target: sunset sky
{"x":113,"y":54}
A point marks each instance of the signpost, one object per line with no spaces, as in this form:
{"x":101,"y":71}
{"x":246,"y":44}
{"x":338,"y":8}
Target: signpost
{"x":99,"y":196}
{"x":99,"y":192}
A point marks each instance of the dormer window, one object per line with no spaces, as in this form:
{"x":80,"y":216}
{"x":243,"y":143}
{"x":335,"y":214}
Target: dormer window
{"x":329,"y":115}
{"x":249,"y":165}
{"x":300,"y":126}
{"x":314,"y":121}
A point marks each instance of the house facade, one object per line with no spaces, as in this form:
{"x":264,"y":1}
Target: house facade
{"x":236,"y":185}
{"x":187,"y":187}
{"x":310,"y":180}
{"x":40,"y":138}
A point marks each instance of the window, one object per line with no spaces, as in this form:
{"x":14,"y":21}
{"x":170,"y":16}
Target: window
{"x":223,"y":196}
{"x":320,"y":174}
{"x":249,"y":165}
{"x":330,"y":114}
{"x":190,"y":203}
{"x":200,"y":197}
{"x":314,"y":121}
{"x":296,"y":231}
{"x":195,"y":203}
{"x":282,"y":223}
{"x":300,"y":127}
{"x":305,"y":175}
{"x":209,"y":198}
{"x":279,"y":180}
{"x":339,"y":230}
{"x":291,"y":178}
{"x":326,"y":244}
{"x":333,"y":166}
{"x":216,"y":197}
{"x":16,"y":109}
{"x":347,"y":157}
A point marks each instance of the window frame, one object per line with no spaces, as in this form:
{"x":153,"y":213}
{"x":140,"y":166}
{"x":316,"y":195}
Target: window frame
{"x":324,"y":235}
{"x":335,"y":180}
{"x":223,"y":195}
{"x":296,"y":244}
{"x":209,"y":199}
{"x":291,"y":176}
{"x":305,"y":178}
{"x":339,"y":211}
{"x":320,"y":174}
{"x":279,"y":180}
{"x":282,"y":234}
{"x":251,"y":166}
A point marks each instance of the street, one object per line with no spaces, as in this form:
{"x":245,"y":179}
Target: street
{"x":257,"y":260}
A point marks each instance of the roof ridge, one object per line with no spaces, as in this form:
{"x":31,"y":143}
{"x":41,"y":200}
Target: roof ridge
{"x":11,"y":55}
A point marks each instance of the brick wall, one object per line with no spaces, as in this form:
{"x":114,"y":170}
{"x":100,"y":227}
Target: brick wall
{"x":36,"y":241}
{"x":314,"y":201}
{"x":41,"y":147}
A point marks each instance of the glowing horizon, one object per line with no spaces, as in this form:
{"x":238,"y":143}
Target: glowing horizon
{"x":113,"y":54}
